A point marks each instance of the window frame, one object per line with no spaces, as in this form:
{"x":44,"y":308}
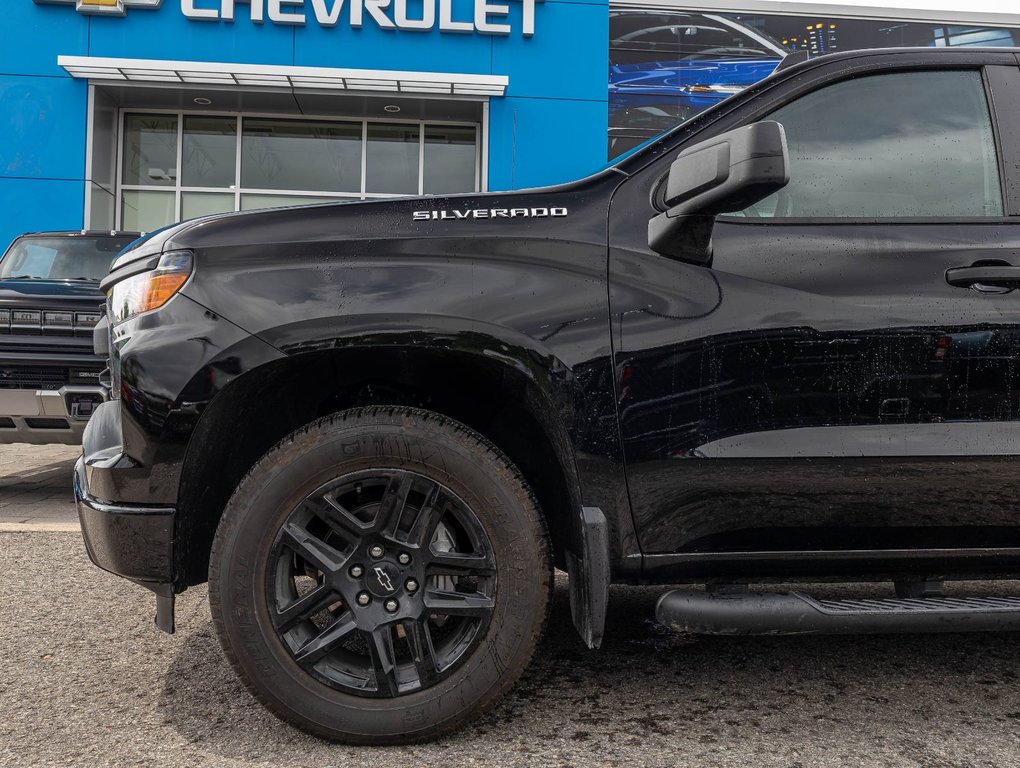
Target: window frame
{"x":1000,"y":73}
{"x":178,"y":189}
{"x":996,"y":141}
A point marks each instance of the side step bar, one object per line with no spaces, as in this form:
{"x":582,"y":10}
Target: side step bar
{"x":792,"y":613}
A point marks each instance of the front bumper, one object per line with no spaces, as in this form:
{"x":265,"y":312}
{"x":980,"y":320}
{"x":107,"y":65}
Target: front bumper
{"x":42,"y":416}
{"x":135,"y":542}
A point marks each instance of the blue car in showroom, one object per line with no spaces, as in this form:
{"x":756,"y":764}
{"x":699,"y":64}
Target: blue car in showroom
{"x":667,"y":67}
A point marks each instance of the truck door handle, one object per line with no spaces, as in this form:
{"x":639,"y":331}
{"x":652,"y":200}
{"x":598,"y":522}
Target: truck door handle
{"x":1001,"y":275}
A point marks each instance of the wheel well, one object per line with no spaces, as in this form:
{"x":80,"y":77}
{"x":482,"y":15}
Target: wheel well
{"x":256,"y":411}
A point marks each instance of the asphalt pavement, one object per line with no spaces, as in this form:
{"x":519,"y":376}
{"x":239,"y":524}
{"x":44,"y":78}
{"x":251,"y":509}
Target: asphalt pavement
{"x":87,"y":680}
{"x":35,"y":487}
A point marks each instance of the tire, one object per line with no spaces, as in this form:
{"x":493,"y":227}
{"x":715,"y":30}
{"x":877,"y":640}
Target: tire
{"x":304,"y":528}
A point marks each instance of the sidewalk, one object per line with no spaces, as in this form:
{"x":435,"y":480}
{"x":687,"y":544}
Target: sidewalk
{"x":35,"y":487}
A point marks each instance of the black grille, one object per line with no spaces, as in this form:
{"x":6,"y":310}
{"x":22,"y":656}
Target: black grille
{"x":32,"y":377}
{"x":49,"y":322}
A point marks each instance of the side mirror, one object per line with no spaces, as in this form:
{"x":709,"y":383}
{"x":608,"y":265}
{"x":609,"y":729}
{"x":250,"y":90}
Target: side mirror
{"x":728,"y":173}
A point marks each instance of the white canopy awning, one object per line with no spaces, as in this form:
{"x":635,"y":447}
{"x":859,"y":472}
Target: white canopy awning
{"x":292,"y":78}
{"x":1004,"y":13}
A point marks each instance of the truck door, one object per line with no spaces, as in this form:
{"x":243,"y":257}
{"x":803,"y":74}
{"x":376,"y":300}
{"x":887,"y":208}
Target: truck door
{"x":844,"y":377}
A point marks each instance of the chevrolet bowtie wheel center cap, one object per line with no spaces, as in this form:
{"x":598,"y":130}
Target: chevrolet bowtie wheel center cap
{"x":383,"y":580}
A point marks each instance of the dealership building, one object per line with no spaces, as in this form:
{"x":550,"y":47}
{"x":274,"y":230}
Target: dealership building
{"x":130,"y":114}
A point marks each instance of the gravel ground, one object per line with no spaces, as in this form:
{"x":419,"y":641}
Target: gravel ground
{"x":86,"y":680}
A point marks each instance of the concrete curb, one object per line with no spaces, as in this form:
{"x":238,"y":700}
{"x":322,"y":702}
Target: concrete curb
{"x":40,"y":527}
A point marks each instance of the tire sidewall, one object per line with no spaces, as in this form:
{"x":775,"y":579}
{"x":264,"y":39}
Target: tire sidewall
{"x":459,"y":460}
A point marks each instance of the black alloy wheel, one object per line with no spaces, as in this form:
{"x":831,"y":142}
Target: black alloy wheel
{"x":381,"y":576}
{"x":382,"y":581}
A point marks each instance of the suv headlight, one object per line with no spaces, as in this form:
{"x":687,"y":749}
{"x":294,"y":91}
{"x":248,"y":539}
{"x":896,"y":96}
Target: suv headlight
{"x":150,"y":290}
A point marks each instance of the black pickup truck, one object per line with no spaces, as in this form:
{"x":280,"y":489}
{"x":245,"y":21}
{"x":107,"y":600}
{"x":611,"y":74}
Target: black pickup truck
{"x":49,"y":304}
{"x":779,"y":343}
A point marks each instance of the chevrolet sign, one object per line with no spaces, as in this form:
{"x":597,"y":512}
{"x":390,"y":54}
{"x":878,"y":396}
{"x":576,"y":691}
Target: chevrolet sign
{"x":108,"y":7}
{"x":487,"y":17}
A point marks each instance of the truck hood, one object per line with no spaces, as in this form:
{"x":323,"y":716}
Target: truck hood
{"x":396,"y":218}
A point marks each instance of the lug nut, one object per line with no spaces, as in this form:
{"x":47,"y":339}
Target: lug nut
{"x":404,"y":558}
{"x":364,"y":598}
{"x":411,"y":585}
{"x":376,"y":552}
{"x":392,"y":606}
{"x":357,"y":571}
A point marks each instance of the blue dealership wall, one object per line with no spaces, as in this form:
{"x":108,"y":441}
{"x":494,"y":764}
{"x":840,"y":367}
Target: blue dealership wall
{"x":550,"y":126}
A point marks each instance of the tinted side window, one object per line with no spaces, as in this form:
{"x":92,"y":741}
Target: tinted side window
{"x":899,"y":145}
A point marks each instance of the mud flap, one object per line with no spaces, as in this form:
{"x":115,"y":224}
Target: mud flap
{"x":589,"y":577}
{"x":164,"y":606}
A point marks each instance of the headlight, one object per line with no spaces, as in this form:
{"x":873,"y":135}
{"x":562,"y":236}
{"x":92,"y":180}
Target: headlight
{"x":150,"y":290}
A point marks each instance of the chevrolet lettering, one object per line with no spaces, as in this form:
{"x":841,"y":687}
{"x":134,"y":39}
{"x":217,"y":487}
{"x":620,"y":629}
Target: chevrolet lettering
{"x":484,"y":17}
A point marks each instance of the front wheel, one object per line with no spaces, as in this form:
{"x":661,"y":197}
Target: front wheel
{"x":381,"y":576}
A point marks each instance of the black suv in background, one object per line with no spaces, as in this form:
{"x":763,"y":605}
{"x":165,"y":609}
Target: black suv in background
{"x":49,"y":304}
{"x":780,"y":342}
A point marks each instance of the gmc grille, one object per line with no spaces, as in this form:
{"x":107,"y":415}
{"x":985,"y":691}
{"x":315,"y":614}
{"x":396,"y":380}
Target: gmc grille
{"x":33,"y":377}
{"x":47,"y":322}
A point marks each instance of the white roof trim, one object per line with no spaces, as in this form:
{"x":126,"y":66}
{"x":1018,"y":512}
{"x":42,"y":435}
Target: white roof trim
{"x":298,"y":78}
{"x":892,"y":10}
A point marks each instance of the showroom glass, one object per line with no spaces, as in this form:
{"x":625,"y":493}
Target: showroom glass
{"x":144,"y":211}
{"x":293,"y":154}
{"x":904,"y":145}
{"x":180,"y":166}
{"x":195,"y":204}
{"x":150,"y":150}
{"x":209,"y":146}
{"x":392,"y":162}
{"x":639,"y":38}
{"x":449,"y":159}
{"x":257,"y":202}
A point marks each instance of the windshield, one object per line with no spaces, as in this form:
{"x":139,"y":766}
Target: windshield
{"x":61,"y":258}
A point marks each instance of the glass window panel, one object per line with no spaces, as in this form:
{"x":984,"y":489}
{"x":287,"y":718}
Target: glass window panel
{"x":681,"y":36}
{"x":210,"y":152}
{"x":254,"y":202}
{"x":195,"y":204}
{"x":392,"y":162}
{"x":57,"y":258}
{"x":150,"y":150}
{"x":909,"y":144}
{"x":302,"y":155}
{"x":144,"y":211}
{"x":450,"y":159}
